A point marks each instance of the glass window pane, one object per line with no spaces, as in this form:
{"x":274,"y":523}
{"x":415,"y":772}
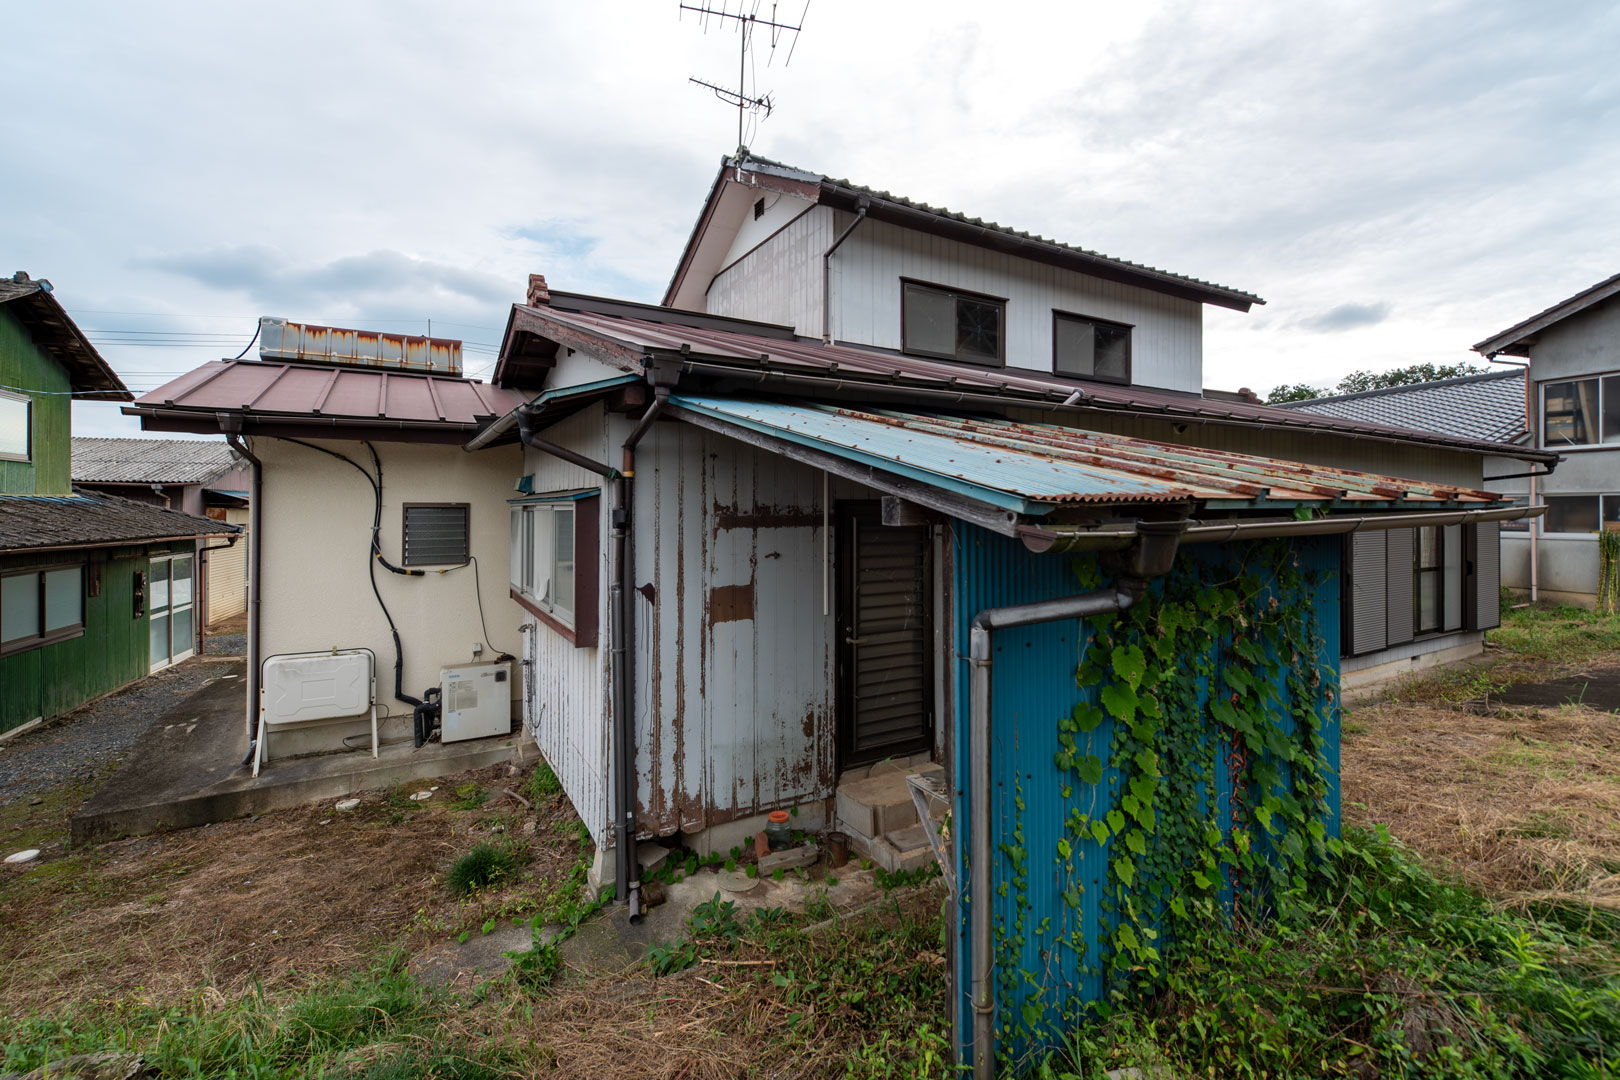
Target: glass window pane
{"x":1568,"y":411}
{"x":157,"y":587}
{"x":1075,"y":345}
{"x":159,"y":626}
{"x":19,"y":607}
{"x":930,"y":321}
{"x":64,"y":598}
{"x":1611,"y":408}
{"x":1429,"y":546}
{"x":1428,"y":601}
{"x":978,"y":330}
{"x":1611,"y":513}
{"x":180,"y":590}
{"x":1113,"y":352}
{"x":515,"y":550}
{"x":1571,"y":514}
{"x":529,"y":515}
{"x":181,"y":635}
{"x":544,"y":548}
{"x":14,"y":417}
{"x":564,"y":598}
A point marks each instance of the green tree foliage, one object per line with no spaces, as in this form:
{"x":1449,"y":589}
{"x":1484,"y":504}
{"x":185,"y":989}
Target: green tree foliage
{"x":1358,"y":381}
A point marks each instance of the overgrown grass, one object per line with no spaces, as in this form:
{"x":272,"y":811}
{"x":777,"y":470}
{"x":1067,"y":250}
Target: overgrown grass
{"x":543,"y":783}
{"x":1556,"y":633}
{"x":482,"y":866}
{"x":1383,"y":970}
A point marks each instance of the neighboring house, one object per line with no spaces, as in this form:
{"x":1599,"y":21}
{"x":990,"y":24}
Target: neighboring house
{"x":95,"y":590}
{"x":1572,"y":355}
{"x":376,"y":530}
{"x":1484,"y":408}
{"x":199,"y":476}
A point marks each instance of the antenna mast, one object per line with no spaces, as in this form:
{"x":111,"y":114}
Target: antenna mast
{"x":746,"y":22}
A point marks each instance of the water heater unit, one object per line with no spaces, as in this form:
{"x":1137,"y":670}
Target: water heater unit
{"x":477,"y":702}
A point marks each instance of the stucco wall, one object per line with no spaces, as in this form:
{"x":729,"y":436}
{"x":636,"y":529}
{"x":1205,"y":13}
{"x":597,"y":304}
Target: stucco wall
{"x":316,"y":527}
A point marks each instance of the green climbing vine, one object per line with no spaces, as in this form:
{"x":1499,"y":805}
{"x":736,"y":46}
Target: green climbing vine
{"x":1194,"y":768}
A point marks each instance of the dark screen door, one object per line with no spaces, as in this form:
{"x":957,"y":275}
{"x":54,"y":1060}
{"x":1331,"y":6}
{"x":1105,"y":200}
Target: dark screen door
{"x":885,"y":637}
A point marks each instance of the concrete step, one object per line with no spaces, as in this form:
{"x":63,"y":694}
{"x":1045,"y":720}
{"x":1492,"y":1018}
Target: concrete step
{"x":881,"y":802}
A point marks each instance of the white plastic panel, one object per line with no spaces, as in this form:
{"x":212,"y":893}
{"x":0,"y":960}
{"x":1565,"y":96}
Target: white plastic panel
{"x":477,"y":702}
{"x":301,"y":687}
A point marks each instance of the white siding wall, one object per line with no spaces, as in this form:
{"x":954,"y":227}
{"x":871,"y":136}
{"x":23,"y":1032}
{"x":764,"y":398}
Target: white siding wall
{"x":780,"y":209}
{"x":566,"y":688}
{"x":780,"y":281}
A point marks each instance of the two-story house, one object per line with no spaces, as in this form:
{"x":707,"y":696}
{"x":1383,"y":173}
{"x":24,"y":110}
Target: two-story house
{"x":1572,"y":355}
{"x":95,"y":590}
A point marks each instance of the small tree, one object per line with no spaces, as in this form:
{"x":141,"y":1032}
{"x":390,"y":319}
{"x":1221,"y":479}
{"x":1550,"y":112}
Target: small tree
{"x":1358,"y":381}
{"x":1297,"y":392}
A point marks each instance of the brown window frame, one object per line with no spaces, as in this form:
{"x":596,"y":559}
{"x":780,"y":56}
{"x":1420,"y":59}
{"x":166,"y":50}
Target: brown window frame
{"x":955,"y":293}
{"x":584,"y":628}
{"x":1437,"y":571}
{"x":1130,"y":335}
{"x":405,"y":532}
{"x":44,"y":637}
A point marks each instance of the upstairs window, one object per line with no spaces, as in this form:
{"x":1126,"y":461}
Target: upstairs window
{"x":1090,"y":348}
{"x":1581,"y":412}
{"x":16,"y":417}
{"x":953,"y":325}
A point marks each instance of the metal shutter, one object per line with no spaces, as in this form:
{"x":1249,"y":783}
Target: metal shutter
{"x":1402,"y":553}
{"x":435,"y":535}
{"x":1453,"y":576}
{"x":1369,"y":627}
{"x":1486,"y":584}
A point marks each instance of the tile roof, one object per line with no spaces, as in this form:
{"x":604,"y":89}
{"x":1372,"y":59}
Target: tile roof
{"x":91,"y":519}
{"x":759,"y":360}
{"x":1034,"y":468}
{"x":36,"y":307}
{"x":1485,"y":408}
{"x":150,"y":461}
{"x":328,"y":397}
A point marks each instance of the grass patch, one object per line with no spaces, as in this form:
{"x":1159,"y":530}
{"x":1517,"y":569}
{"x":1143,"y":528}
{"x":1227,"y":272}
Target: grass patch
{"x":543,"y":783}
{"x":482,"y":866}
{"x":1532,"y":644}
{"x":469,"y":796}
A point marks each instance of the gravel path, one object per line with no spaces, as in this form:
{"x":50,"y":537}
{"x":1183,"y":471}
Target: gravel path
{"x":225,"y":645}
{"x":83,"y":744}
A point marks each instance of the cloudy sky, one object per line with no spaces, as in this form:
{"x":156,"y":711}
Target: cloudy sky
{"x":1397,"y":179}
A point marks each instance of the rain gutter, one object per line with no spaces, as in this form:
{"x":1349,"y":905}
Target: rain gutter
{"x":1152,"y":553}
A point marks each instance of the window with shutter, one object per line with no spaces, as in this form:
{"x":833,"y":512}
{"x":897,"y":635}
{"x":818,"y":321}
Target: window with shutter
{"x":1400,"y":609}
{"x":1368,"y":625}
{"x":435,"y":534}
{"x":1485,"y":576}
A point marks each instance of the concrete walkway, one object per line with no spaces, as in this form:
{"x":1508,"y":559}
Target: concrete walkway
{"x":187,"y":770}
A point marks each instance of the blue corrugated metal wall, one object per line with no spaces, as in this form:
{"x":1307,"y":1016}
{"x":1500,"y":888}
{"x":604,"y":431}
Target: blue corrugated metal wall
{"x":1032,"y":687}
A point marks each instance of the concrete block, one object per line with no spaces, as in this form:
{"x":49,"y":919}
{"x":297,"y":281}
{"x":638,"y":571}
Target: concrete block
{"x":803,"y":855}
{"x":855,"y":816}
{"x":908,"y":839}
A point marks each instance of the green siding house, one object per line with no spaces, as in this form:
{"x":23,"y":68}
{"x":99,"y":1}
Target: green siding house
{"x":95,"y":590}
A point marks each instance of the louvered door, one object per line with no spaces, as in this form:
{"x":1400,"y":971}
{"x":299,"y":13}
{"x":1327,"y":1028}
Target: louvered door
{"x":885,"y":625}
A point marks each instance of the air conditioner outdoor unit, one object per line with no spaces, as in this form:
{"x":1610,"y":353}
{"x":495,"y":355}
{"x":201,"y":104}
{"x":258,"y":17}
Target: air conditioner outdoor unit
{"x":476,"y":701}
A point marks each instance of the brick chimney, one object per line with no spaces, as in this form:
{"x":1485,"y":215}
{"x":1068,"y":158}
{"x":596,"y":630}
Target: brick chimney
{"x":538,"y":295}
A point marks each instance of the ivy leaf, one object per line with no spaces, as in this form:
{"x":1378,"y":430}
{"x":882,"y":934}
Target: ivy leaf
{"x":1178,"y":908}
{"x":1148,"y":762}
{"x":1071,"y":896}
{"x":1087,"y":716}
{"x":1200,"y":880}
{"x":1063,"y":848}
{"x":1089,"y":769}
{"x":1126,"y":870}
{"x":1100,"y":831}
{"x":1120,"y":701}
{"x":1135,"y":841}
{"x":1116,"y":821}
{"x":1262,"y":814}
{"x":1129,"y":664}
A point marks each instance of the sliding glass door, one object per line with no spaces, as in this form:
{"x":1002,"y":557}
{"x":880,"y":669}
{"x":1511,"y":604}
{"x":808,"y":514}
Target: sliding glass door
{"x":170,"y":609}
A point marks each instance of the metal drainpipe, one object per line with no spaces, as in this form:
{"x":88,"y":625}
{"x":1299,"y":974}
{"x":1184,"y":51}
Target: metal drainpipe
{"x":826,"y":269}
{"x":621,"y":595}
{"x":232,"y":426}
{"x":1152,"y":556}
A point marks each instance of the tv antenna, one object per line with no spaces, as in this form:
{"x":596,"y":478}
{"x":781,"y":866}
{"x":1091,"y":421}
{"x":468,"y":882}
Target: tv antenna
{"x":746,"y":20}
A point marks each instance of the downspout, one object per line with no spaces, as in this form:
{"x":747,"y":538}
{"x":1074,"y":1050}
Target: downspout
{"x":231,"y":425}
{"x":826,"y":269}
{"x":1150,"y":556}
{"x":622,"y":638}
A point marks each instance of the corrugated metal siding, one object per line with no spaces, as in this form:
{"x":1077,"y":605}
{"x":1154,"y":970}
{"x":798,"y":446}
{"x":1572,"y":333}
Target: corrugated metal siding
{"x":112,"y":651}
{"x":780,"y":281}
{"x":227,"y":573}
{"x":565,"y":700}
{"x":1032,"y":686}
{"x":1399,"y":555}
{"x":1167,"y":334}
{"x":1369,"y":570}
{"x":1487,"y":576}
{"x":23,"y":364}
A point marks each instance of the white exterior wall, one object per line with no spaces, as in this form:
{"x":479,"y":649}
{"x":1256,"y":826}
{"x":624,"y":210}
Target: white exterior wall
{"x":780,"y":280}
{"x":316,"y":531}
{"x":566,"y":694}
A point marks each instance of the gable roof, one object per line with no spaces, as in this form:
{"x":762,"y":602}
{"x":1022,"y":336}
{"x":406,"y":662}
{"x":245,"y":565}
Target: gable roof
{"x":1485,"y":408}
{"x":746,"y":359}
{"x":49,"y":324}
{"x":1517,"y":339}
{"x":91,"y":519}
{"x":150,"y":461}
{"x":311,"y":400}
{"x":899,"y":210}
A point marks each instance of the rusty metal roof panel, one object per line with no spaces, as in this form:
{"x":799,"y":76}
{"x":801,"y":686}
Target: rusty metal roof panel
{"x":306,"y":343}
{"x":1033,"y":468}
{"x":357,"y":394}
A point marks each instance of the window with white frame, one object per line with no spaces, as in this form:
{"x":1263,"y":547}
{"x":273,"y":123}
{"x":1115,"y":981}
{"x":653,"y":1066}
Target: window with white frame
{"x":543,"y":557}
{"x":1581,"y":412}
{"x":41,"y":607}
{"x":16,"y":422}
